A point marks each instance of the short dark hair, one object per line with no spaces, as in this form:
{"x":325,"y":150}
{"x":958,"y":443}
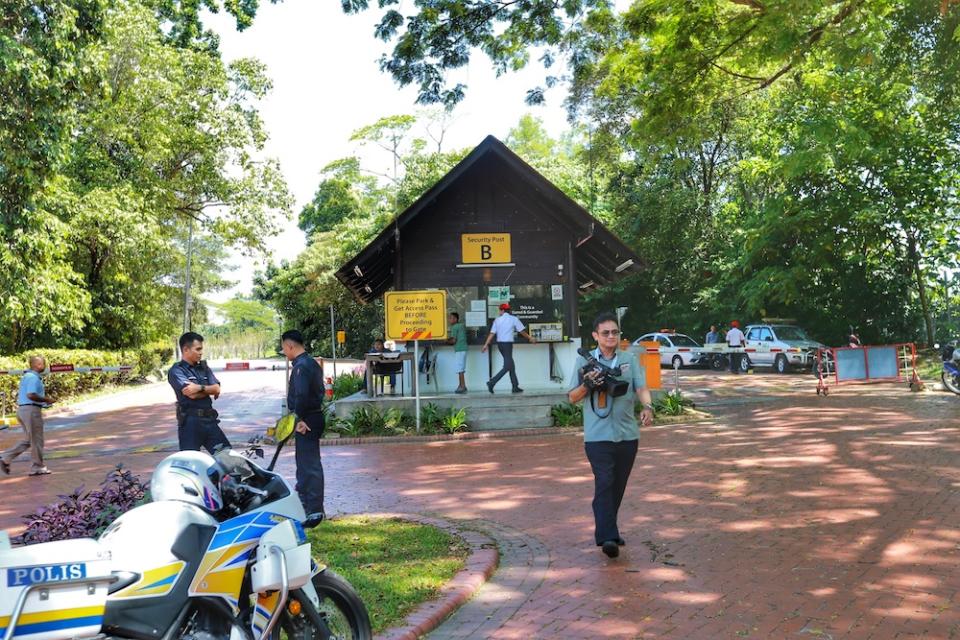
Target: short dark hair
{"x":379,"y":340}
{"x":604,"y":316}
{"x":455,"y":315}
{"x":187,"y":339}
{"x":293,"y":336}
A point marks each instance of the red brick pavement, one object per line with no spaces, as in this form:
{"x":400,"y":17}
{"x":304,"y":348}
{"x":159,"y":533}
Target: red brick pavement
{"x":797,"y":517}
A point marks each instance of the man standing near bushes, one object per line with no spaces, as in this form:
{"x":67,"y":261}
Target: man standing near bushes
{"x":30,"y":400}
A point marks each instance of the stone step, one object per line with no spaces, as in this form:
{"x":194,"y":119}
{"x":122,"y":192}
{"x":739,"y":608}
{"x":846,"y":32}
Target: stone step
{"x":515,"y":417}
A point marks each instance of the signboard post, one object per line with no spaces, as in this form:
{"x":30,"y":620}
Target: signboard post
{"x":416,"y":315}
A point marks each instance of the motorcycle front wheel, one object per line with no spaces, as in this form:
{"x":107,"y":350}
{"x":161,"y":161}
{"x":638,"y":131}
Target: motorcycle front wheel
{"x":342,"y":614}
{"x":951,"y":382}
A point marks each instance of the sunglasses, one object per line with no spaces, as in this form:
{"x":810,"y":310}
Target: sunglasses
{"x":609,"y":332}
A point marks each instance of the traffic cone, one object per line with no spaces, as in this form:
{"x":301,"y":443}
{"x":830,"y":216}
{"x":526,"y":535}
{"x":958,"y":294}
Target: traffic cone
{"x":328,"y":388}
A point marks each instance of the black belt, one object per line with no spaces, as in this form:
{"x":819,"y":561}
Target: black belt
{"x":198,"y":413}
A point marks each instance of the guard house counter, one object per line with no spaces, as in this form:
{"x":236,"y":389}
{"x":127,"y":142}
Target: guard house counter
{"x":494,"y":230}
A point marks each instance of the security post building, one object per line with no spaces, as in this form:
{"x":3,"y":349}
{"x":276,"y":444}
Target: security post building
{"x":494,"y":230}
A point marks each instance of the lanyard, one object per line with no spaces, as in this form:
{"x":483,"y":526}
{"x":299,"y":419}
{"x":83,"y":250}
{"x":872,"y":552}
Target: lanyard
{"x":616,"y":357}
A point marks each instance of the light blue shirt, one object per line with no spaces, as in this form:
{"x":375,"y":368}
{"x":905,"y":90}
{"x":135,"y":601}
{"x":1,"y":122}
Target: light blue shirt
{"x":620,"y":419}
{"x":30,"y":383}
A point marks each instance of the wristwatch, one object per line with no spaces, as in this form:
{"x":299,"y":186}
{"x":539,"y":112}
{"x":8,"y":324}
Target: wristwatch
{"x":648,"y":406}
{"x":202,"y":387}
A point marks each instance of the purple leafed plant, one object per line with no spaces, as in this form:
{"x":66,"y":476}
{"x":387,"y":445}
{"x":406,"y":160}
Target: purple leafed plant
{"x":85,"y":514}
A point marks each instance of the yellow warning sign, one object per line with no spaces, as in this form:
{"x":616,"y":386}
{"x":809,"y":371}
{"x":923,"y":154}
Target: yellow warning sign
{"x":416,"y":315}
{"x":485,"y":248}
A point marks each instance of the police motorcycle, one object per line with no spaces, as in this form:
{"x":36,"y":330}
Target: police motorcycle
{"x":950,"y":376}
{"x":220,"y":554}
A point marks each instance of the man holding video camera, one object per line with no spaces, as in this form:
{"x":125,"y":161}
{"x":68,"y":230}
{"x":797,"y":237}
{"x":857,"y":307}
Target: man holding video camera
{"x":609,"y":382}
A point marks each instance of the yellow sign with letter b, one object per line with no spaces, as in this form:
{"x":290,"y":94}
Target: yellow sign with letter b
{"x":485,"y":248}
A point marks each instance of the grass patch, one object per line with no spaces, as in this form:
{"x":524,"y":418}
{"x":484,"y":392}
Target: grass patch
{"x":395,"y":565}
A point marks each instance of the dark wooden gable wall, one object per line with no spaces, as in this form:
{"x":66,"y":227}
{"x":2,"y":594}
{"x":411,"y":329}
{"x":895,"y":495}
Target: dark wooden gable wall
{"x":488,"y":198}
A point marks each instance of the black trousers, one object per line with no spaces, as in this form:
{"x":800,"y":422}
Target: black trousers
{"x":309,"y":465}
{"x":612,"y":463}
{"x":735,"y":362}
{"x":196,"y":432}
{"x":506,"y":350}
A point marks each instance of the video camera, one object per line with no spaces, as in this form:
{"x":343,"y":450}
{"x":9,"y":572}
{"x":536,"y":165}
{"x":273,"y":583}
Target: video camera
{"x":607,"y":378}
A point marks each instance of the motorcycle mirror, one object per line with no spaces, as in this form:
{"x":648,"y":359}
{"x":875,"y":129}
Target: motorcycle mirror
{"x":936,"y":345}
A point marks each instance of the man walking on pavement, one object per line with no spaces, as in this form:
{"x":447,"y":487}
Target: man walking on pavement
{"x":735,"y":340}
{"x":458,"y":338}
{"x":610,"y":430}
{"x":196,"y":388}
{"x":30,"y":400}
{"x":305,"y":400}
{"x":503,"y":329}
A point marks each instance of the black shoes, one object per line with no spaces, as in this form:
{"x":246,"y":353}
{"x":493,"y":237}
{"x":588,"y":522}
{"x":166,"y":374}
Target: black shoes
{"x":610,"y":549}
{"x":5,"y":467}
{"x":517,"y":390}
{"x":313,"y":519}
{"x":621,"y":542}
{"x":490,"y":385}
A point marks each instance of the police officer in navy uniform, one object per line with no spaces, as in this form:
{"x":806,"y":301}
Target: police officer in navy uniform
{"x":196,"y":388}
{"x":305,"y":399}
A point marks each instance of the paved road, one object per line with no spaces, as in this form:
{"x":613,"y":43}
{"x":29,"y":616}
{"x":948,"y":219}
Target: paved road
{"x":790,"y":516}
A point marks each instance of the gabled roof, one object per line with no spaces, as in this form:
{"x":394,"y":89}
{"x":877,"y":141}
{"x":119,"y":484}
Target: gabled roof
{"x":601,"y":257}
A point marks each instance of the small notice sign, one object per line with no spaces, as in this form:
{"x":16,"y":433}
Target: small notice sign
{"x":485,"y":248}
{"x":416,"y":315}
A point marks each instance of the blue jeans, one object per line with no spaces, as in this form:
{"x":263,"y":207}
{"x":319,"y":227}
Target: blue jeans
{"x":612,"y":463}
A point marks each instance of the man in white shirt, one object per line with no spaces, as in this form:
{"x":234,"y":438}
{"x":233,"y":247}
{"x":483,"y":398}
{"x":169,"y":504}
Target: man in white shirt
{"x":735,"y":339}
{"x":503,"y":329}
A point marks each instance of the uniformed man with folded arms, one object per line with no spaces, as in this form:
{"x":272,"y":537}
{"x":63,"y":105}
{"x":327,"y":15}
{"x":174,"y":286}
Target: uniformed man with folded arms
{"x":196,"y":388}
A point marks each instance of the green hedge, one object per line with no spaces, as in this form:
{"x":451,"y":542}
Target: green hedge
{"x":60,"y":386}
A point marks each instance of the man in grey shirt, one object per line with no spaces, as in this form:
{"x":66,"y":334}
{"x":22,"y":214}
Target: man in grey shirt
{"x":610,"y":430}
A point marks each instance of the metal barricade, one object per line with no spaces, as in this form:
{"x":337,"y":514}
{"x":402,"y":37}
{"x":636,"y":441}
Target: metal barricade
{"x":839,"y":365}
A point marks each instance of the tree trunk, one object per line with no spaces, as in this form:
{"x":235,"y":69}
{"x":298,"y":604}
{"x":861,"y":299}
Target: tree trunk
{"x":914,"y":258}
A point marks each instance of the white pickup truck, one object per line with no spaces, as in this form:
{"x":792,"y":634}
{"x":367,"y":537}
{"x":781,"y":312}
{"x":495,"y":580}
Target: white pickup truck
{"x":781,"y":346}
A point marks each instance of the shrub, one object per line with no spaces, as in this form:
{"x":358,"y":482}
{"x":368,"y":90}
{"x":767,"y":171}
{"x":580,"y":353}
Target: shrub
{"x":431,"y":418}
{"x":151,"y":358}
{"x":567,"y":414}
{"x":83,"y":514}
{"x":672,"y":404}
{"x":347,"y":384}
{"x":455,"y":420}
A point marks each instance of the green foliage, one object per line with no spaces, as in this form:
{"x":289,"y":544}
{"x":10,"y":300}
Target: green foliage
{"x":567,"y":414}
{"x":455,"y":420}
{"x":442,"y":34}
{"x":140,"y":136}
{"x":347,"y":384}
{"x":672,"y":404}
{"x":372,"y":421}
{"x":249,"y":330}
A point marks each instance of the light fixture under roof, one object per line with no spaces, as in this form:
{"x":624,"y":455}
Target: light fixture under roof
{"x":356,"y":270}
{"x":626,"y":265}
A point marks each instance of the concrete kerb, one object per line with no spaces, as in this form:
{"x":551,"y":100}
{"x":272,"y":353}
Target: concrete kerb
{"x":480,"y":565}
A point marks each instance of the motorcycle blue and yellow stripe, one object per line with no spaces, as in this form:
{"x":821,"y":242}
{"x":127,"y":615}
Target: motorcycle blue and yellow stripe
{"x":224,"y":564}
{"x":82,"y":621}
{"x":153,"y":583}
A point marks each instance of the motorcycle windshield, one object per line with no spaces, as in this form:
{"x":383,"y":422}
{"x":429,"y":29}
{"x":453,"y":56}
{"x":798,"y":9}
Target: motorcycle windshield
{"x":235,"y":464}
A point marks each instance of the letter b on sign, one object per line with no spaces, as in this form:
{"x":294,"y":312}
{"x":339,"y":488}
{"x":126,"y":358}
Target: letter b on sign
{"x":486,"y":252}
